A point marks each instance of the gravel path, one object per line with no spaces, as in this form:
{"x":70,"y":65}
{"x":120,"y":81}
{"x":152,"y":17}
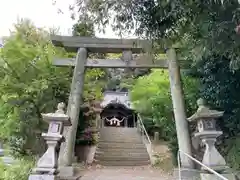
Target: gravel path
{"x":125,"y":173}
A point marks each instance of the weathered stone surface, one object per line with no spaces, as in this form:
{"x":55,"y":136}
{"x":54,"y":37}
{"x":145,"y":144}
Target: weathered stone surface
{"x":184,"y":142}
{"x":204,"y":112}
{"x":42,"y":177}
{"x":113,"y":63}
{"x":66,"y":171}
{"x":207,"y":133}
{"x":74,"y":103}
{"x":48,"y":163}
{"x":121,"y":147}
{"x":156,"y":137}
{"x":1,"y":150}
{"x":103,"y":45}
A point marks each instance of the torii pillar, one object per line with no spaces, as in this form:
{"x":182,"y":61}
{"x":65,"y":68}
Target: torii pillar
{"x":75,"y":101}
{"x":182,"y":129}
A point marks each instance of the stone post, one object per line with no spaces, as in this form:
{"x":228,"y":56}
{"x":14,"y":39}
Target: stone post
{"x":74,"y":103}
{"x":8,"y":160}
{"x":184,"y":142}
{"x":125,"y":122}
{"x":134,"y":121}
{"x":207,"y":133}
{"x":47,"y":165}
{"x":156,"y":137}
{"x":1,"y":150}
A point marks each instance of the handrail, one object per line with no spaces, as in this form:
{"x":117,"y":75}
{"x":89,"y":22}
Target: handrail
{"x":198,"y":162}
{"x":144,"y":129}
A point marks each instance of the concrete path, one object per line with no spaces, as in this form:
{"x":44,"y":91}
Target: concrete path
{"x":125,"y":173}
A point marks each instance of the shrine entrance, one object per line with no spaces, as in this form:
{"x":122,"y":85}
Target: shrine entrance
{"x":118,"y":115}
{"x":117,"y":110}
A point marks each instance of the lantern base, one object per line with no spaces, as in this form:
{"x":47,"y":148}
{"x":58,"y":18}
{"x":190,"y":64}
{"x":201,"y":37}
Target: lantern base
{"x":43,"y":177}
{"x":66,"y":171}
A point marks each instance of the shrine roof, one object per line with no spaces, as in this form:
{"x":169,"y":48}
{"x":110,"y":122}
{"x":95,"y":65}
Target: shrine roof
{"x":113,"y":97}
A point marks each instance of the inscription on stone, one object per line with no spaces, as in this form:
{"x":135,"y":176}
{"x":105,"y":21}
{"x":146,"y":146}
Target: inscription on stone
{"x":54,"y":128}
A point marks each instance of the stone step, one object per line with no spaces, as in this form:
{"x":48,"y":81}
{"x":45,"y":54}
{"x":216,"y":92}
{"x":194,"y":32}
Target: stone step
{"x":121,"y":158}
{"x":127,"y":130}
{"x":120,"y":154}
{"x":108,"y":157}
{"x":117,"y":129}
{"x":119,"y":135}
{"x":123,"y":163}
{"x":120,"y":140}
{"x":114,"y":145}
{"x":137,"y":141}
{"x":126,"y":150}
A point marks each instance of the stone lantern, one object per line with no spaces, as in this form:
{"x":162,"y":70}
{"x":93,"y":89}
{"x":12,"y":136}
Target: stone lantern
{"x":207,"y":132}
{"x":47,"y":165}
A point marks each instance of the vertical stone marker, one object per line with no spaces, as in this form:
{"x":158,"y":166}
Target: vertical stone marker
{"x":47,"y":165}
{"x":74,"y":103}
{"x":184,"y":142}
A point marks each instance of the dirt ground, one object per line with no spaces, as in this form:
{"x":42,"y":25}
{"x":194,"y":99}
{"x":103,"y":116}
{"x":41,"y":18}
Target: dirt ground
{"x":162,"y":169}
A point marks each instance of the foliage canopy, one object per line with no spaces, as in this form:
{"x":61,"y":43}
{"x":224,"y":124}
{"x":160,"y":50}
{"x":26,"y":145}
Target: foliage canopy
{"x":30,"y":85}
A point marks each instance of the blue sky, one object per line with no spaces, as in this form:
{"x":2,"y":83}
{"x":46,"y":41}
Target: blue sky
{"x":42,"y":13}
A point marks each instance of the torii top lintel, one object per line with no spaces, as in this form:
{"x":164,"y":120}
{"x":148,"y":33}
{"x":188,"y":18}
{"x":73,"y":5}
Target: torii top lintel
{"x":101,"y":45}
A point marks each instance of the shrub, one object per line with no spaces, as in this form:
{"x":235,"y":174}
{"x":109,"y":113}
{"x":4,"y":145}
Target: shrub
{"x":19,"y":171}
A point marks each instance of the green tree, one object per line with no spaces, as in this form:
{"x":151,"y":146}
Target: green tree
{"x":83,"y":29}
{"x":220,"y":87}
{"x":152,"y":99}
{"x":31,"y":85}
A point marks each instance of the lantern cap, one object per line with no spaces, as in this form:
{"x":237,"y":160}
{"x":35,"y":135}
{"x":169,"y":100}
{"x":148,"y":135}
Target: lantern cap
{"x":204,"y":112}
{"x":59,"y":115}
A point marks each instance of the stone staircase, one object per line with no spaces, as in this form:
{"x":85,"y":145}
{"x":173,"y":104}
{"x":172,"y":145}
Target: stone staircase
{"x":121,"y":147}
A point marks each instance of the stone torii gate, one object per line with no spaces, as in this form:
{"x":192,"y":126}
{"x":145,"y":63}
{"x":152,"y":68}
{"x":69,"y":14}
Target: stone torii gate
{"x":83,"y":45}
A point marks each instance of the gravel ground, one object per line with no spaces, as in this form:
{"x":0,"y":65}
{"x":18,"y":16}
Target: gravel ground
{"x":125,"y":173}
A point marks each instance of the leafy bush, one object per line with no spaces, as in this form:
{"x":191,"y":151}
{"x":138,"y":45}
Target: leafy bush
{"x":31,"y":85}
{"x":220,"y":86}
{"x":19,"y":171}
{"x":86,"y":132}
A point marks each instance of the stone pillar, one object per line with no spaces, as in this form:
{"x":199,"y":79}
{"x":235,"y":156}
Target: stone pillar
{"x":1,"y":150}
{"x":134,"y":123}
{"x":184,"y":142}
{"x":74,"y":103}
{"x":156,"y":137}
{"x":125,"y":122}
